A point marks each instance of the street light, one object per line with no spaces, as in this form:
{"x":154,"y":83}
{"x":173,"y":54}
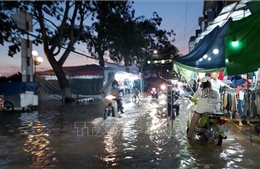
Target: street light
{"x":34,"y":53}
{"x":36,"y":61}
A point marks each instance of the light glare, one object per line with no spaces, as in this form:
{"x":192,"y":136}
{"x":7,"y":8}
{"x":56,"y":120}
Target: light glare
{"x":235,"y":43}
{"x":215,"y":51}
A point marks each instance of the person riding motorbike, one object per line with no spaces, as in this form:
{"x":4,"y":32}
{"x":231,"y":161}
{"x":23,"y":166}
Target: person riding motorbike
{"x":207,"y":100}
{"x":136,"y":93}
{"x":115,"y":91}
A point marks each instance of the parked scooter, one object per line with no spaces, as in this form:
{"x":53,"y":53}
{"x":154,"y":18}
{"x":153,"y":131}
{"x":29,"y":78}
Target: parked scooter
{"x":136,"y":96}
{"x":154,"y":93}
{"x":210,"y":126}
{"x":114,"y":106}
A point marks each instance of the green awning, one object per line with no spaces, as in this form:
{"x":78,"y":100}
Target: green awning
{"x":243,"y":55}
{"x":195,"y":69}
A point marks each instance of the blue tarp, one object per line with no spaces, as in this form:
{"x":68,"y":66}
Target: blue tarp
{"x":202,"y":55}
{"x":14,"y":88}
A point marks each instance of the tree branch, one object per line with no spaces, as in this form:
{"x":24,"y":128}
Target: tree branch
{"x":61,"y":29}
{"x":71,"y":34}
{"x":38,"y":8}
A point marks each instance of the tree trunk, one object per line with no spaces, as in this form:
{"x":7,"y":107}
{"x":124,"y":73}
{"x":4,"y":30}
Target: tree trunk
{"x":63,"y":81}
{"x":101,"y":58}
{"x":102,"y":62}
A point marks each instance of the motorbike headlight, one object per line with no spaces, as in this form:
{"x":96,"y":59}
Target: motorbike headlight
{"x":163,"y":86}
{"x":110,"y":97}
{"x":153,"y":89}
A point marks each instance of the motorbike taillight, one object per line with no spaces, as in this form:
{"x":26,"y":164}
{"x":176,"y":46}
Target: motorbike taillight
{"x":222,"y":120}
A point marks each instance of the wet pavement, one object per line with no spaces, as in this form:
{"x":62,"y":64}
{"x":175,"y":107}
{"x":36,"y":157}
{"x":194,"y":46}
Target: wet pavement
{"x":76,"y":136}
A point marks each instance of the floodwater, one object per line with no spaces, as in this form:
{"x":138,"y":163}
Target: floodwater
{"x":75,"y":136}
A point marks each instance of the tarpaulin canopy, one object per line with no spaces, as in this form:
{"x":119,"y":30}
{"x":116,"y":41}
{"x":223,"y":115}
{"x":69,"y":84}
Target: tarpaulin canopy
{"x":194,"y":69}
{"x":215,"y":52}
{"x":83,"y":80}
{"x":16,"y":88}
{"x":241,"y":45}
{"x":208,"y":53}
{"x":82,"y":70}
{"x":235,"y":10}
{"x":187,"y":74}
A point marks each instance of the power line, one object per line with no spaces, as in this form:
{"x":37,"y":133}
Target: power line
{"x":184,"y":14}
{"x":192,"y":28}
{"x":185,"y":22}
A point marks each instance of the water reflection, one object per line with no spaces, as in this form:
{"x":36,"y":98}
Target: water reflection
{"x":129,"y":135}
{"x":138,"y":140}
{"x":112,"y":129}
{"x":37,"y":142}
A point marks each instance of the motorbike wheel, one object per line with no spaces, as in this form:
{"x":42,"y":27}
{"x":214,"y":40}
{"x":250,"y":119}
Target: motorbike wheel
{"x":217,"y":138}
{"x":134,"y":99}
{"x":174,"y":113}
{"x":8,"y":106}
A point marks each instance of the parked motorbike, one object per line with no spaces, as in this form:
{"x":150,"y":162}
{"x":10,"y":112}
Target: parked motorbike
{"x":114,"y":106}
{"x":136,"y":96}
{"x":173,"y":103}
{"x":154,"y":93}
{"x":210,"y":126}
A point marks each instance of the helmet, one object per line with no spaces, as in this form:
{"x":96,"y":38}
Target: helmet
{"x":115,"y":82}
{"x":205,"y":79}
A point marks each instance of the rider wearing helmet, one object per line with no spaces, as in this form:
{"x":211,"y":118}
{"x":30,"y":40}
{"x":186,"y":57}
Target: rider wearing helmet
{"x":207,"y":100}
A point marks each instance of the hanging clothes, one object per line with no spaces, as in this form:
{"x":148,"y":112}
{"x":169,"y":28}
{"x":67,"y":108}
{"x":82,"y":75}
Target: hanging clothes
{"x":229,"y":101}
{"x":257,"y":100}
{"x":250,"y":106}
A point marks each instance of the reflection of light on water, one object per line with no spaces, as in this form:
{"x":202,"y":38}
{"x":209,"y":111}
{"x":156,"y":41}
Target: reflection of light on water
{"x":129,"y":134}
{"x":37,"y":145}
{"x":112,"y":131}
{"x":128,"y":157}
{"x":231,"y":152}
{"x":111,"y":149}
{"x":157,"y":129}
{"x":109,"y":144}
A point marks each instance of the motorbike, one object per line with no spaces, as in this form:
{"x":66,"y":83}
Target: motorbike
{"x":114,"y":106}
{"x":154,"y":93}
{"x":136,"y":96}
{"x":211,"y":125}
{"x":163,"y":88}
{"x":173,"y":103}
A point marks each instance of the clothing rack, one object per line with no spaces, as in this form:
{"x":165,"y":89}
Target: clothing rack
{"x":228,"y":101}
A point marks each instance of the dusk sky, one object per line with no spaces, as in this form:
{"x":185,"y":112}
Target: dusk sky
{"x":181,"y":16}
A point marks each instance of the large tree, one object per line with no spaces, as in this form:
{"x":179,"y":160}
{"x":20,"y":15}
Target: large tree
{"x":123,"y":34}
{"x":61,"y":24}
{"x":116,"y":31}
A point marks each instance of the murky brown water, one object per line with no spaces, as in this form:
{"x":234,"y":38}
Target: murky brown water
{"x":77,"y":137}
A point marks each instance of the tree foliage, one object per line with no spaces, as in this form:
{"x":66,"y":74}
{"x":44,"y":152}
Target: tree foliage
{"x":123,"y":34}
{"x":59,"y":25}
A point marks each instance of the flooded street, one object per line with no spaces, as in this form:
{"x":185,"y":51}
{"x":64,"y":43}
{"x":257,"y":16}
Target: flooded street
{"x":75,"y":136}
